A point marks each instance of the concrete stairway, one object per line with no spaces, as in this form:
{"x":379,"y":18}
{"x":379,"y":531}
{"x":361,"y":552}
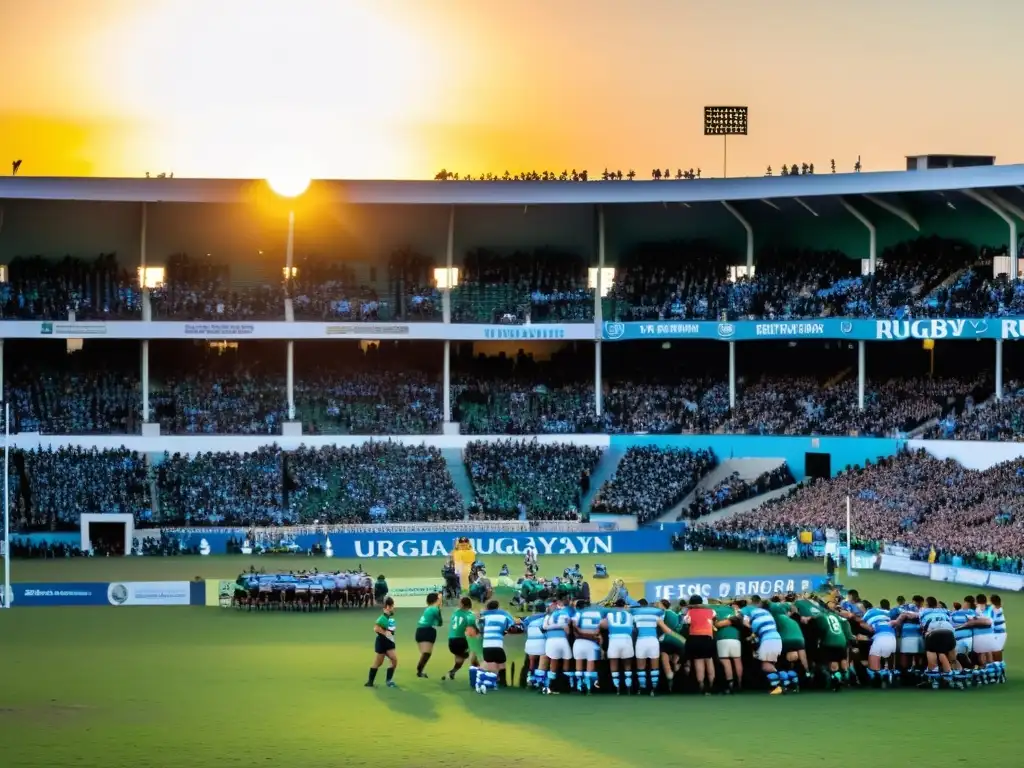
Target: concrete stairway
{"x":748,"y":469}
{"x":603,"y":472}
{"x":460,"y":476}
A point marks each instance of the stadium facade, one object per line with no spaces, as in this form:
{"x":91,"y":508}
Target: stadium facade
{"x":243,"y":221}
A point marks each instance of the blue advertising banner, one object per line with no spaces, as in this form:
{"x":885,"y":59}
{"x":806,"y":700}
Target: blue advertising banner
{"x":92,"y":593}
{"x":825,"y":328}
{"x":439,"y":544}
{"x":60,"y":594}
{"x":733,"y":586}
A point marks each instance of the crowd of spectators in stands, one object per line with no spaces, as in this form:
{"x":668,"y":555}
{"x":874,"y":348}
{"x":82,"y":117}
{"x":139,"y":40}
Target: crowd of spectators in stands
{"x":202,"y":290}
{"x":46,"y":289}
{"x":529,"y":479}
{"x":734,"y":490}
{"x":912,"y":500}
{"x":650,"y":480}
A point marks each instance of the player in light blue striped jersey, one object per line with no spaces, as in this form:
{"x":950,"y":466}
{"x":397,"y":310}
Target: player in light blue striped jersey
{"x":769,"y":641}
{"x":963,"y":633}
{"x":494,"y":623}
{"x":534,"y":624}
{"x":586,"y":648}
{"x":999,"y":630}
{"x":939,"y":641}
{"x":650,"y":625}
{"x":556,"y":644}
{"x":883,"y":642}
{"x":618,"y":622}
{"x":985,"y":640}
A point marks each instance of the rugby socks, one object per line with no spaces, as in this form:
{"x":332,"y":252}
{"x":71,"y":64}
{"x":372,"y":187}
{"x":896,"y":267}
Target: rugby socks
{"x":641,"y":675}
{"x":774,"y":680}
{"x":570,"y":676}
{"x":372,"y":677}
{"x":655,"y":676}
{"x":933,"y":676}
{"x":502,"y":678}
{"x":616,"y":680}
{"x":576,"y":681}
{"x":591,"y":679}
{"x":474,"y":673}
{"x":629,"y":680}
{"x":551,"y":677}
{"x":424,"y":658}
{"x":790,"y":679}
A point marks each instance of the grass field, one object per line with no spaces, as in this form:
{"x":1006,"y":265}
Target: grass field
{"x":205,"y":687}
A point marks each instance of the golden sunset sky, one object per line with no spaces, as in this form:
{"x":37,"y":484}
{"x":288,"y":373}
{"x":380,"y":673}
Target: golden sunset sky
{"x":402,"y":88}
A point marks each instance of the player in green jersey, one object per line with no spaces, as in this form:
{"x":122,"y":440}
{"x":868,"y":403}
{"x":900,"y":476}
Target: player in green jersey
{"x":793,"y":647}
{"x":834,"y":645}
{"x":461,"y":620}
{"x":384,"y":644}
{"x":673,"y":644}
{"x":426,"y":630}
{"x":727,"y":642}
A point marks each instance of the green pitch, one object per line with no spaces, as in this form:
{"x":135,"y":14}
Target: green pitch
{"x":208,"y":687}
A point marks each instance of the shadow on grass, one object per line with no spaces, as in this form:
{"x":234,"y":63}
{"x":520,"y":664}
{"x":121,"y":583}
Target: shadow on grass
{"x":406,"y":701}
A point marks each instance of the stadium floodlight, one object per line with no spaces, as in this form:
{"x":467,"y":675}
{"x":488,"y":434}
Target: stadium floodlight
{"x":725,"y":122}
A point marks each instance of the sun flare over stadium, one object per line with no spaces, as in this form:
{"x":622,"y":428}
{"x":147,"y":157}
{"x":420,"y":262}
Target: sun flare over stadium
{"x":524,"y":462}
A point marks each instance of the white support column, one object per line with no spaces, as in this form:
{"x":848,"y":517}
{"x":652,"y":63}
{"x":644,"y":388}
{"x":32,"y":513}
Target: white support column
{"x":732,"y":375}
{"x":861,"y":374}
{"x":449,"y":262}
{"x":997,"y":204}
{"x":446,"y":382}
{"x":999,"y":369}
{"x":291,"y":380}
{"x":750,"y":233}
{"x":598,"y":305}
{"x":289,"y":263}
{"x":598,"y":394}
{"x":145,"y":381}
{"x":872,"y":233}
{"x":147,"y":310}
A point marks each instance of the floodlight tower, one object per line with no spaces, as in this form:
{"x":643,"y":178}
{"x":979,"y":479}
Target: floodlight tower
{"x":725,"y":122}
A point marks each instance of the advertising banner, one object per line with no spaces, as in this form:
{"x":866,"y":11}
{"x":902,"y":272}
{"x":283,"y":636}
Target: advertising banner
{"x":149,"y":593}
{"x":496,"y":545}
{"x":898,"y":564}
{"x":162,"y":329}
{"x":862,"y":560}
{"x":959,"y":575}
{"x":219,"y":592}
{"x":824,"y":328}
{"x":412,"y":592}
{"x":732,"y":586}
{"x":60,"y":594}
{"x":1006,"y":581}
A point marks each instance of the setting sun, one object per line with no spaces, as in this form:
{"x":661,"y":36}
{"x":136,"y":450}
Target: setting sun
{"x":288,"y":184}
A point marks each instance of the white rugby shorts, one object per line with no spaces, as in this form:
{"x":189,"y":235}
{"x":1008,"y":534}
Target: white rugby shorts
{"x":648,"y":648}
{"x":620,"y":648}
{"x":985,"y":643}
{"x":883,"y":646}
{"x":587,"y":650}
{"x":1000,"y":641}
{"x":535,"y":647}
{"x":729,"y":649}
{"x":557,"y":648}
{"x":964,"y":645}
{"x":769,"y":651}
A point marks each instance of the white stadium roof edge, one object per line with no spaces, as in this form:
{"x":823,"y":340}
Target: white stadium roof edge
{"x":180,"y":190}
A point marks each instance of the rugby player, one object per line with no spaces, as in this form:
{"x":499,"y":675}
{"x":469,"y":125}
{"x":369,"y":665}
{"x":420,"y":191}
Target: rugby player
{"x":984,"y":639}
{"x":556,"y":644}
{"x":727,"y":644}
{"x":495,"y":622}
{"x":462,"y":619}
{"x":700,"y":645}
{"x":649,"y":621}
{"x":384,"y":644}
{"x":794,"y":649}
{"x":534,"y":624}
{"x":618,"y":622}
{"x":673,"y":644}
{"x":769,"y":642}
{"x":963,"y":669}
{"x":999,"y":630}
{"x":586,"y":647}
{"x":883,"y":642}
{"x":426,"y":631}
{"x":911,"y":643}
{"x":939,"y":641}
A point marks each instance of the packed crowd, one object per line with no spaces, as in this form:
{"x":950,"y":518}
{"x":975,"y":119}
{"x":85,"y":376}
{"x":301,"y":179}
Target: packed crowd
{"x":734,"y":489}
{"x":650,"y":480}
{"x":51,"y":489}
{"x":41,"y":289}
{"x":202,"y":290}
{"x":1001,"y":420}
{"x":529,"y":479}
{"x":912,"y":500}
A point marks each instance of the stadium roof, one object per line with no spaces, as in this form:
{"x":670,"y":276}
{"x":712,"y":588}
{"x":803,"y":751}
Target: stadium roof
{"x":520,"y":192}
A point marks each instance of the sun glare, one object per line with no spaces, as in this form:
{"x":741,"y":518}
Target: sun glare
{"x":289,"y":185}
